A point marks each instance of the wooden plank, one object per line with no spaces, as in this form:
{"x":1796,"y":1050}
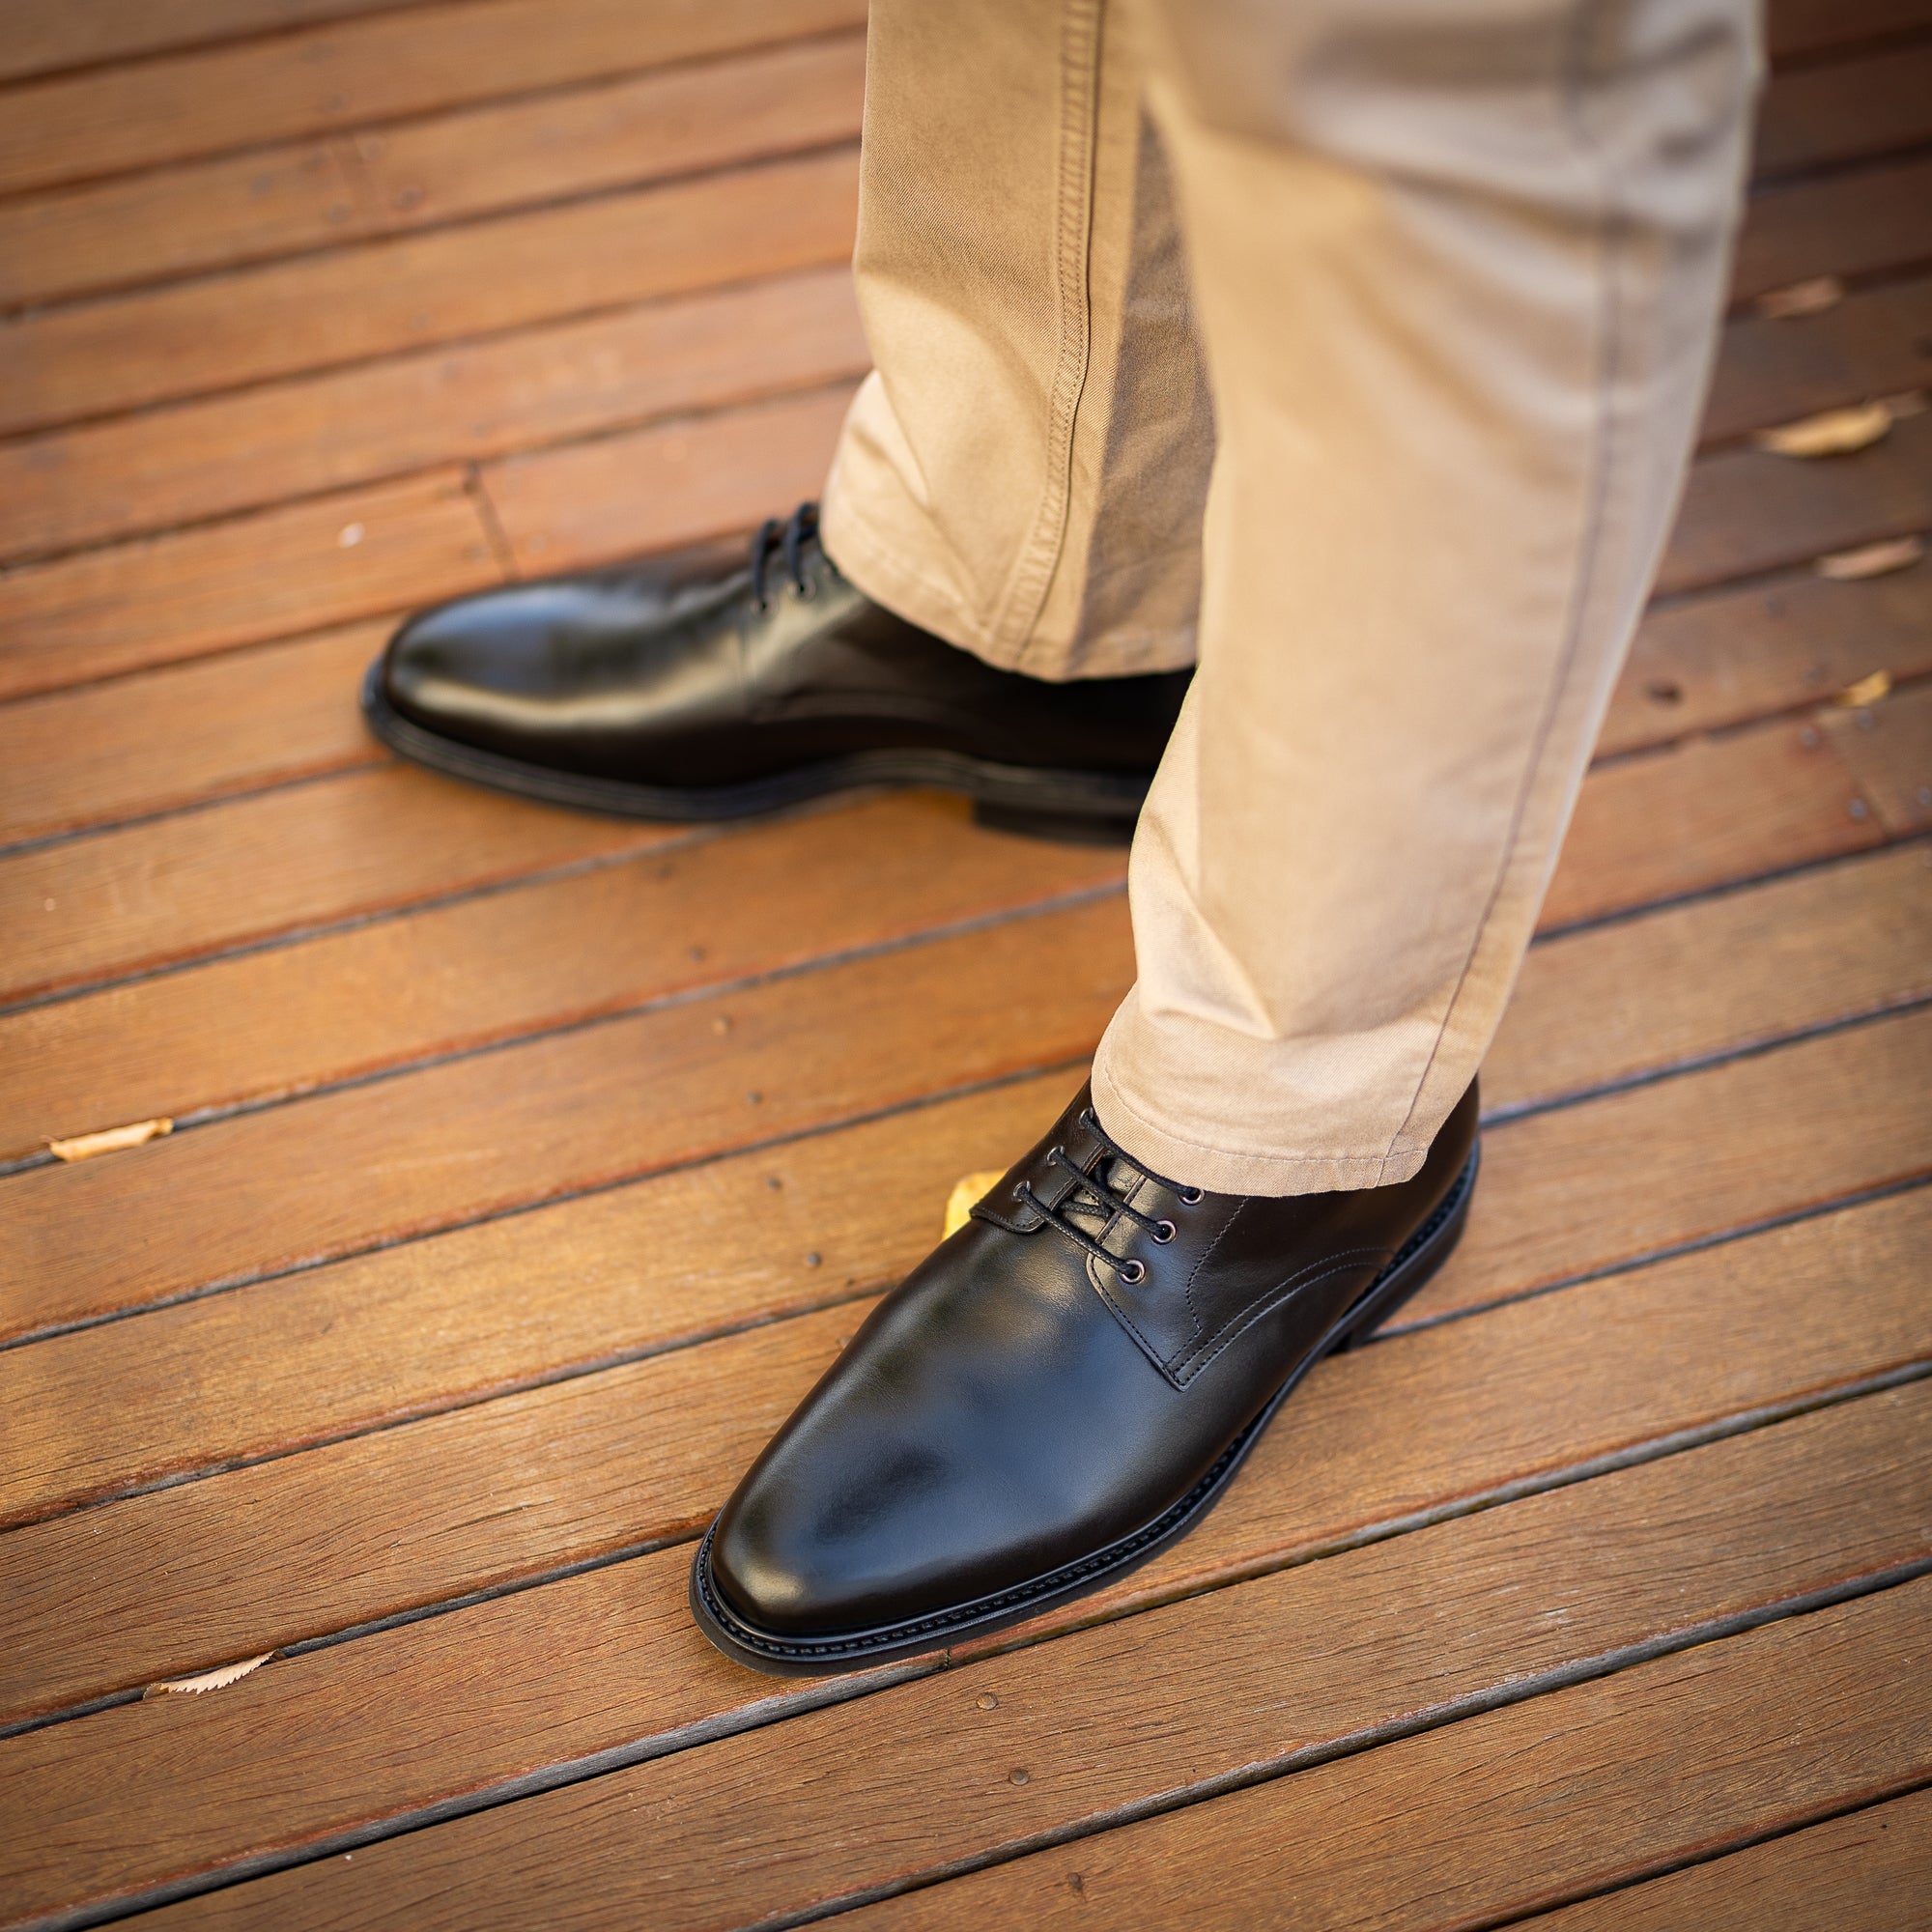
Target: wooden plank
{"x":379,"y":298}
{"x":890,"y":1786}
{"x":45,"y":36}
{"x":190,"y":1576}
{"x":162,"y":599}
{"x":150,"y":227}
{"x":1857,"y":223}
{"x":185,"y":733}
{"x":1503,"y":1813}
{"x":1748,"y":510}
{"x":1771,"y":370}
{"x":1716,"y":975}
{"x":1865,"y":1869}
{"x":228,"y":453}
{"x":765,"y":899}
{"x":340,"y":1350}
{"x":351,"y":74}
{"x":560,"y":509}
{"x":1671,"y":822}
{"x":1849,"y":111}
{"x":299,"y":568}
{"x":152,"y":893}
{"x":562,"y":1113}
{"x":1888,"y":749}
{"x":1727,"y":657}
{"x":1699,"y":1171}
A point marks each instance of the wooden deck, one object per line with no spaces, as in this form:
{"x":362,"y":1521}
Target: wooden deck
{"x":510,"y":1198}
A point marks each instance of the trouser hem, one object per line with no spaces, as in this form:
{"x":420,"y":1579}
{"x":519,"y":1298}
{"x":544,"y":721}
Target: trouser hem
{"x":1175,"y":1153}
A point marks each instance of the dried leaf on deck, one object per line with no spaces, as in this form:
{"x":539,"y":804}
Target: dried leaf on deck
{"x":1834,"y":433}
{"x":1821,"y":292}
{"x":1872,"y":559}
{"x":1867,"y":690}
{"x":966,"y":1193}
{"x":110,"y":1140}
{"x":217,"y":1679}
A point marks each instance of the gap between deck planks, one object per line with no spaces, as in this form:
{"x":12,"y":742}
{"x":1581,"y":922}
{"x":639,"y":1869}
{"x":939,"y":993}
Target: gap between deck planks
{"x":1862,"y":1868}
{"x":1518,"y":1594}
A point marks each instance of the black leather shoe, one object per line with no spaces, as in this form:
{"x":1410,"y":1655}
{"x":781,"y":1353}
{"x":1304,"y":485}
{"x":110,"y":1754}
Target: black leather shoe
{"x":698,"y":686}
{"x":1059,"y":1390}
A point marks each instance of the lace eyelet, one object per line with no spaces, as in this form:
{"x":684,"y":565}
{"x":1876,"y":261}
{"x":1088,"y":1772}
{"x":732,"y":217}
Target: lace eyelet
{"x":1133,"y":1273}
{"x":1192,"y":1195}
{"x":805,"y":590}
{"x":1163,"y":1232}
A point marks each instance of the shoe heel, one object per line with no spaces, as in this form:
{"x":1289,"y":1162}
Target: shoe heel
{"x":1408,"y":1275}
{"x":1064,"y":828}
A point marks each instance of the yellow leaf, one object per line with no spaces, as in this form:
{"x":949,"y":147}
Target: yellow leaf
{"x":1867,"y":690}
{"x":1821,"y":292}
{"x":110,"y":1140}
{"x":1836,"y":433}
{"x":210,"y":1679}
{"x":1872,"y":559}
{"x":966,"y":1193}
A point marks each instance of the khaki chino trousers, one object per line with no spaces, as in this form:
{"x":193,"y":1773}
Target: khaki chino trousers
{"x":1351,"y":351}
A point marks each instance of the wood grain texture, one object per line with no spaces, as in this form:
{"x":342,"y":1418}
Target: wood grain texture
{"x":360,"y":1529}
{"x":1888,"y":747}
{"x":1748,"y":510}
{"x":44,"y":35}
{"x":149,"y":894}
{"x":765,"y":898}
{"x":353,"y":72}
{"x":562,"y":1113}
{"x":1731,"y":656}
{"x":341,"y":1348}
{"x":185,"y":733}
{"x":1771,"y":370}
{"x":875,"y":1790}
{"x":1652,"y":1167}
{"x":1848,"y":110}
{"x":1755,"y":1735}
{"x":1866,"y":1868}
{"x":1861,"y":222}
{"x":1702,"y":813}
{"x":561,"y":509}
{"x":1715,"y":976}
{"x":299,"y":568}
{"x":226,"y":454}
{"x":150,"y":227}
{"x":381,"y":297}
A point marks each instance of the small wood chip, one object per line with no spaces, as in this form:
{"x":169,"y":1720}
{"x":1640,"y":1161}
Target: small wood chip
{"x":208,"y":1680}
{"x":1834,"y":433}
{"x":967,"y":1193}
{"x":1867,"y":690}
{"x":1821,"y":292}
{"x":110,"y":1140}
{"x":1874,"y":559}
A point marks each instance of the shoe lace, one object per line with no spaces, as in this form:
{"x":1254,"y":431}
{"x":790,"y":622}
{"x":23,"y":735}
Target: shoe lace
{"x":1103,"y":1197}
{"x":787,"y":537}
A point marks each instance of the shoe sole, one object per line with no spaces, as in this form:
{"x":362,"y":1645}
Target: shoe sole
{"x":1087,"y":808}
{"x":1426,"y":1250}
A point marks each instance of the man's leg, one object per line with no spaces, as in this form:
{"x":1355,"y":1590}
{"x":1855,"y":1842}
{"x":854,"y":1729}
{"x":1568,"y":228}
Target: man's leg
{"x":1024,"y":471}
{"x":1457,"y":274}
